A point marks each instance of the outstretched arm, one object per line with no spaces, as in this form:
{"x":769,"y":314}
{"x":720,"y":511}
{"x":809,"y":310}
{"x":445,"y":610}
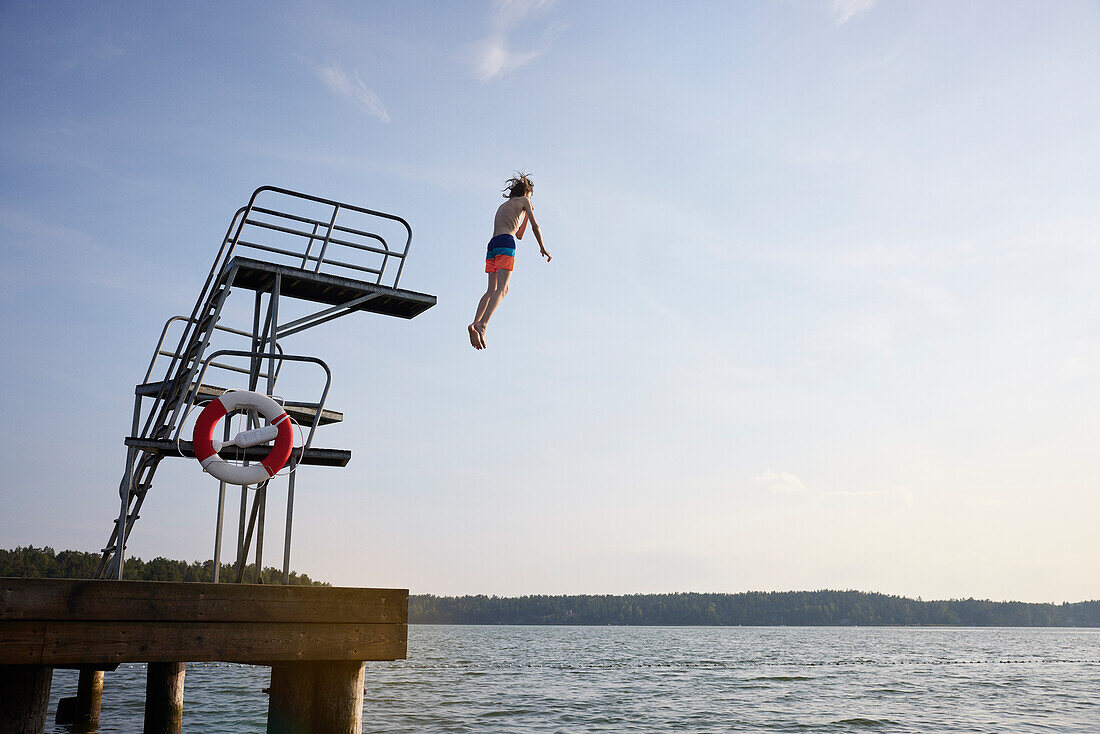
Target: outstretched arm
{"x":529,"y":212}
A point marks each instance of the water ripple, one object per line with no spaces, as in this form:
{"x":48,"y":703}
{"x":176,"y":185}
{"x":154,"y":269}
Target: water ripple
{"x":530,"y":680}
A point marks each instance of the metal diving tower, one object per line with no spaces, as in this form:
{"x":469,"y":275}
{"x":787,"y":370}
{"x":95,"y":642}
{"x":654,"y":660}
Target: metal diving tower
{"x":302,"y":247}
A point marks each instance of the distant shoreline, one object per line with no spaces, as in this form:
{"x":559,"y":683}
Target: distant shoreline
{"x":825,"y":608}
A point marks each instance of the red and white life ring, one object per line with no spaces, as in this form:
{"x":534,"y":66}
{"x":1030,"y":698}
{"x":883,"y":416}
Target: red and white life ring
{"x":278,"y":428}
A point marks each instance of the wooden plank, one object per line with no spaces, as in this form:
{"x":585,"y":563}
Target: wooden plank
{"x":84,"y":600}
{"x":120,"y":642}
{"x":21,"y":642}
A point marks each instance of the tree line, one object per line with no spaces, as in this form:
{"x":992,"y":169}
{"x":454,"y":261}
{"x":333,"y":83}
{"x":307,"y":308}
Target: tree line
{"x":46,"y":563}
{"x":748,"y":608}
{"x":751,"y":608}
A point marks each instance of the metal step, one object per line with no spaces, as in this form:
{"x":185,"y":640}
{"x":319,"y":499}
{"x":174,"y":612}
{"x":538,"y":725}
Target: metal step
{"x":313,"y":457}
{"x":302,"y":412}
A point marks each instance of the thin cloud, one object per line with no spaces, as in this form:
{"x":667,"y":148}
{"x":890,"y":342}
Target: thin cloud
{"x":493,"y":57}
{"x":781,"y":482}
{"x":350,"y":88}
{"x":496,"y":54}
{"x":845,"y":10}
{"x":902,"y":495}
{"x":873,"y":331}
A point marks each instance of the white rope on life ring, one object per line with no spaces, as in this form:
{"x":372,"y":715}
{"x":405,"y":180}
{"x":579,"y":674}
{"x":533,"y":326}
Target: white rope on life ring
{"x":278,"y":428}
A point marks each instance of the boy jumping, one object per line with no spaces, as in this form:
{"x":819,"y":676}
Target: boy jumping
{"x":511,"y":219}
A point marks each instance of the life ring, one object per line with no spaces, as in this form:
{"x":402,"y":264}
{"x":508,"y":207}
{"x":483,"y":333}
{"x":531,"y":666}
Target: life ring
{"x":278,"y":428}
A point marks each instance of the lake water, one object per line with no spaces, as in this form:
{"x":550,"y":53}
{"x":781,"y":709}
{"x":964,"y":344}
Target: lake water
{"x":684,"y":679}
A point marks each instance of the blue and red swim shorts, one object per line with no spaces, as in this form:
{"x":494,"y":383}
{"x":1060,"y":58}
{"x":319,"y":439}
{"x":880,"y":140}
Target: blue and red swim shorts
{"x":501,"y":253}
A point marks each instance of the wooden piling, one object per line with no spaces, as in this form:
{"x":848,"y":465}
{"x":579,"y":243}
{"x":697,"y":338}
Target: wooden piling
{"x":24,"y":698}
{"x":319,"y":697}
{"x":164,"y":698}
{"x":290,"y":702}
{"x":89,"y":694}
{"x":338,"y":697}
{"x":81,"y":712}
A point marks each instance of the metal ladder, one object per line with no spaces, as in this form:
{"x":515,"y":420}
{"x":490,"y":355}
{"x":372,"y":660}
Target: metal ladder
{"x":313,"y":264}
{"x":175,"y":391}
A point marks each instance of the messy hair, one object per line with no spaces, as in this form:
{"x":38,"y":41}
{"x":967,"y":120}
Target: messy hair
{"x":518,"y":185}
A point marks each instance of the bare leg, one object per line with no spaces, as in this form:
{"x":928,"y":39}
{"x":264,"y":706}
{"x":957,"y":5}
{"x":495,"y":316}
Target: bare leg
{"x":498,"y":288}
{"x":475,"y":336}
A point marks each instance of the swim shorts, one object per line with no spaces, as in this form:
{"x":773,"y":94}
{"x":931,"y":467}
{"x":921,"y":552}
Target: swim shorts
{"x":501,"y":253}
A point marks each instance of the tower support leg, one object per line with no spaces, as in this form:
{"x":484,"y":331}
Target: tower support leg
{"x":261,"y":502}
{"x":289,"y":522}
{"x":218,"y":532}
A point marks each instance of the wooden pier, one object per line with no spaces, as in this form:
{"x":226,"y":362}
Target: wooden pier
{"x":314,"y":638}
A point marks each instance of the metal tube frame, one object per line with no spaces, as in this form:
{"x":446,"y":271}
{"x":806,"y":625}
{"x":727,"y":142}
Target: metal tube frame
{"x":188,"y":362}
{"x":282,"y":358}
{"x":256,"y":517}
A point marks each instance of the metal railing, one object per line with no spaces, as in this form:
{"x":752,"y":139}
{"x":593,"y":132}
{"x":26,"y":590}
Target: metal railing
{"x":320,"y":403}
{"x":160,"y":351}
{"x":300,"y":235}
{"x":311,"y":241}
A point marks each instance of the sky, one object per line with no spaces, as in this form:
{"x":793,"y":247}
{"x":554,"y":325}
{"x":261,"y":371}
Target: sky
{"x":822,"y":310}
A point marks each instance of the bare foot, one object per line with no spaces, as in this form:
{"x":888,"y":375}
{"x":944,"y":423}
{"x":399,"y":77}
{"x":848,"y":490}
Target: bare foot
{"x":475,"y":337}
{"x":480,"y":335}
